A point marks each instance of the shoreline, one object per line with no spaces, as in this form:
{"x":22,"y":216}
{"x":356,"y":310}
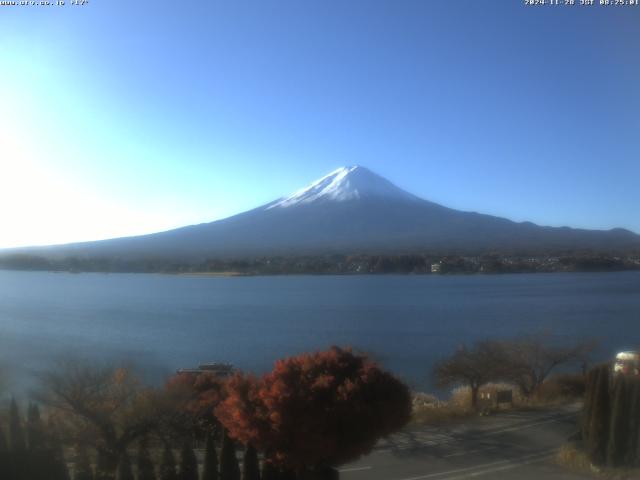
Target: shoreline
{"x":205,"y":274}
{"x":230,"y":274}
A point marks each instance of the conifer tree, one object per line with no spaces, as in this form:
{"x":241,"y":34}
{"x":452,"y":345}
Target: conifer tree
{"x":82,"y":468}
{"x":4,"y":456}
{"x":39,"y":457}
{"x":269,"y":471}
{"x":144,"y":463}
{"x":124,"y":472}
{"x":103,"y":469}
{"x":55,"y":454}
{"x":59,"y":469}
{"x":229,"y":469}
{"x":188,"y":463}
{"x":210,"y":470}
{"x":17,"y":442}
{"x":287,"y":474}
{"x":62,"y":470}
{"x":250,"y":465}
{"x":590,"y":389}
{"x":599,"y":423}
{"x":19,"y":465}
{"x":619,"y":425}
{"x":4,"y":447}
{"x":322,"y":473}
{"x":35,"y":431}
{"x":168,"y":466}
{"x":632,"y":456}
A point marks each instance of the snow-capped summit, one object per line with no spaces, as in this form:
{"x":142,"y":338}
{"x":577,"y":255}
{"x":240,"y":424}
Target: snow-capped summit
{"x":345,"y":183}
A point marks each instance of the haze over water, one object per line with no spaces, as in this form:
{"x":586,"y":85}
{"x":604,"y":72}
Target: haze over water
{"x":165,"y":322}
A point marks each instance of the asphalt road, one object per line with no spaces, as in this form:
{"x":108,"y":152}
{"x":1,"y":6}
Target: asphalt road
{"x":510,"y":445}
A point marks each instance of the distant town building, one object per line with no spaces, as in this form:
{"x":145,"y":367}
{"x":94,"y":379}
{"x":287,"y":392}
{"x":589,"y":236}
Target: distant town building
{"x":219,"y":369}
{"x":436,"y":267}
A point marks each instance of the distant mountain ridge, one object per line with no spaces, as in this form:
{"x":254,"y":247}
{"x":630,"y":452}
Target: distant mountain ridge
{"x":350,"y":210}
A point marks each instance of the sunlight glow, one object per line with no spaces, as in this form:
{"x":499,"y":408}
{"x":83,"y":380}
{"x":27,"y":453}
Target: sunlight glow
{"x":43,"y":202}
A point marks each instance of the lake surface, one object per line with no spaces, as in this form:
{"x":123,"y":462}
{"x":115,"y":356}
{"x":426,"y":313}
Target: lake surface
{"x":165,"y":322}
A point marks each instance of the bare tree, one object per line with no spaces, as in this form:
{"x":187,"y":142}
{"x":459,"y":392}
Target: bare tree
{"x":102,"y":406}
{"x":532,"y":358}
{"x":472,"y":367}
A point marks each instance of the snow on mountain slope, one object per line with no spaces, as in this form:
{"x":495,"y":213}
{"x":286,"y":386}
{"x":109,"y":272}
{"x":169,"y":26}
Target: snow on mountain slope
{"x":345,"y":183}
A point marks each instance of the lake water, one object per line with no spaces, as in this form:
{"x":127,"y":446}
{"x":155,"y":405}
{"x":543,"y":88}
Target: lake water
{"x":165,"y":322}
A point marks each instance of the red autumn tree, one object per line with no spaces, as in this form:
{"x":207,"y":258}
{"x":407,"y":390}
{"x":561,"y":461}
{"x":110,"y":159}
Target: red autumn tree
{"x":316,"y":410}
{"x":243,"y":413}
{"x":198,"y":394}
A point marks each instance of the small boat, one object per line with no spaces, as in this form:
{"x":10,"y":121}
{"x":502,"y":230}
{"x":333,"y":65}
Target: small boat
{"x":219,"y":369}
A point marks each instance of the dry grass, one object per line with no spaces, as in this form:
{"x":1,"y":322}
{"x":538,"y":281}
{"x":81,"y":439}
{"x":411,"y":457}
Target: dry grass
{"x":428,"y":409}
{"x":438,"y":414}
{"x":575,"y":459}
{"x":462,"y":395}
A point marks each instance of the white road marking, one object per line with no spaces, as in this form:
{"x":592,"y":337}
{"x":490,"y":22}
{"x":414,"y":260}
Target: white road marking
{"x":402,"y":444}
{"x":505,"y":465}
{"x":519,"y":427}
{"x":354,"y":469}
{"x":501,"y":469}
{"x":471,"y":451}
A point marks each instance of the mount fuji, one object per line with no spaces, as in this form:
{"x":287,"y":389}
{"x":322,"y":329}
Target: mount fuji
{"x":350,"y":210}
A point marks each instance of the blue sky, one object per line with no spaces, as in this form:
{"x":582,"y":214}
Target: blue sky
{"x":121,"y":118}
